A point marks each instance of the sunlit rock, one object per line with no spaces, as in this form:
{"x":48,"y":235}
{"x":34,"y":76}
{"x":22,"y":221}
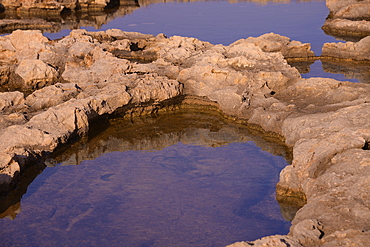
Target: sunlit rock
{"x":10,"y":99}
{"x":348,"y":19}
{"x":359,"y":51}
{"x":276,"y":241}
{"x":102,"y":73}
{"x":272,"y":42}
{"x":52,"y":95}
{"x":349,"y":9}
{"x":35,"y":73}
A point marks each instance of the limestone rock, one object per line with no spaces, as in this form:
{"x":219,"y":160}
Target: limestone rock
{"x":272,"y":42}
{"x":339,"y":27}
{"x":53,"y":4}
{"x":243,"y":69}
{"x":99,"y":68}
{"x":270,"y":241}
{"x":35,"y":73}
{"x":10,"y":99}
{"x":324,"y":120}
{"x":154,"y":87}
{"x":52,"y":96}
{"x":16,"y":118}
{"x":28,"y":44}
{"x":359,"y":51}
{"x":348,"y":18}
{"x":349,"y":9}
{"x":9,"y":169}
{"x":308,"y":232}
{"x":21,"y":136}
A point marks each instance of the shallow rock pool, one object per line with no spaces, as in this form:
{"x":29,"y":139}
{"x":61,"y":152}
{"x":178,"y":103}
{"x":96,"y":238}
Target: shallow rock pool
{"x":182,"y":179}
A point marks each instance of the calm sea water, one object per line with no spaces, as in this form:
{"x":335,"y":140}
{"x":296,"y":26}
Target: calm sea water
{"x":188,"y":179}
{"x":222,"y":22}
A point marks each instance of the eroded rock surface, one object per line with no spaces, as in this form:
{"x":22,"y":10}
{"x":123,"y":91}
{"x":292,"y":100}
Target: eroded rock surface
{"x":113,"y":72}
{"x":348,"y":18}
{"x":55,"y":16}
{"x":359,"y":51}
{"x":30,"y":5}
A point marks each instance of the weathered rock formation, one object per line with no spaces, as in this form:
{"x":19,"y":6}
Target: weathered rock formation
{"x":348,"y":18}
{"x":67,"y":84}
{"x":351,"y":59}
{"x":55,"y":16}
{"x":359,"y":51}
{"x":57,"y":6}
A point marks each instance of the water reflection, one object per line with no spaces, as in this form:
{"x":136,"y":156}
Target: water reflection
{"x":340,"y":70}
{"x":337,"y":69}
{"x":202,"y":182}
{"x":219,"y":22}
{"x":54,"y":20}
{"x":187,"y":126}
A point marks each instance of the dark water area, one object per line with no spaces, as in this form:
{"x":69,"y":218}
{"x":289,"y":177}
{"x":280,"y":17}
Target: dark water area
{"x":182,"y":179}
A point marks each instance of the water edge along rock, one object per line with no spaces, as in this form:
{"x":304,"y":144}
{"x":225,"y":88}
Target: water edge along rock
{"x":58,"y":88}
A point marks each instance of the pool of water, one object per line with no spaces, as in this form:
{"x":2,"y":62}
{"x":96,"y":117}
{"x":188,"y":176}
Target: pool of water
{"x":184,"y":179}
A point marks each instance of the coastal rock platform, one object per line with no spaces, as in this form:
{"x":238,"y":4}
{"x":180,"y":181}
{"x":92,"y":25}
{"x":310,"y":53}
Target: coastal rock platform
{"x":54,"y":91}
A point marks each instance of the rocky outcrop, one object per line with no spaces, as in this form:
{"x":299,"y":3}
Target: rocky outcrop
{"x":57,"y":6}
{"x":347,"y":29}
{"x":348,"y":19}
{"x":272,"y":42}
{"x":55,"y":16}
{"x":93,"y":74}
{"x":70,"y":82}
{"x":359,"y":51}
{"x":57,"y":113}
{"x":349,"y":9}
{"x":276,"y":241}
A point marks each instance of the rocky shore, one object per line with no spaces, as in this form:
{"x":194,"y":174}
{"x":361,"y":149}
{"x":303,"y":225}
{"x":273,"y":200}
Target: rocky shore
{"x":58,"y":88}
{"x":348,"y":19}
{"x":54,"y":91}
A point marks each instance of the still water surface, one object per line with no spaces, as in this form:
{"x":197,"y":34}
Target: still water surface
{"x":185,"y":179}
{"x":222,"y":22}
{"x":178,"y":180}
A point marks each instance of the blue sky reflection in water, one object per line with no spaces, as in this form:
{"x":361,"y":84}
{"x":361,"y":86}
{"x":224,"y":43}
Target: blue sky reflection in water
{"x":222,"y":22}
{"x":183,"y":195}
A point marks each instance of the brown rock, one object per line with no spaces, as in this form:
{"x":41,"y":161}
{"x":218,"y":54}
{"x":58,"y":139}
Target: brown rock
{"x":272,"y":42}
{"x":35,"y":73}
{"x":359,"y":51}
